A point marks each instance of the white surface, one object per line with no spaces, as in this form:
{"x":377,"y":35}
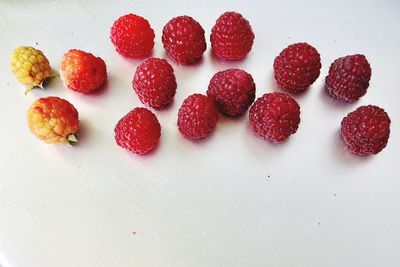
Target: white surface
{"x":231,"y":200}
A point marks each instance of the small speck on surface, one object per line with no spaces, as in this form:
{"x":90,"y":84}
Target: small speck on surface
{"x":334,"y":195}
{"x":134,"y":233}
{"x":319,"y":223}
{"x":36,"y":43}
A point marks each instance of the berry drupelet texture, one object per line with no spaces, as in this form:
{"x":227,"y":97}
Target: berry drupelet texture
{"x":183,"y":38}
{"x":275,"y":116}
{"x":231,"y":37}
{"x":30,"y":66}
{"x":155,"y":83}
{"x":82,"y":72}
{"x":138,"y":131}
{"x":366,"y":130}
{"x":232,"y":90}
{"x":132,"y":36}
{"x":197,"y":117}
{"x":348,"y":78}
{"x":53,"y":120}
{"x":297,"y":67}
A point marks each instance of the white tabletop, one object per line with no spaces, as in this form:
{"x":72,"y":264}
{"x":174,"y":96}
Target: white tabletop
{"x":230,"y":200}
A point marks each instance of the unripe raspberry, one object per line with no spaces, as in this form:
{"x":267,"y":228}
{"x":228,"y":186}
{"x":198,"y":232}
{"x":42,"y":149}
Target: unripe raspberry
{"x":30,"y":66}
{"x":53,"y":120}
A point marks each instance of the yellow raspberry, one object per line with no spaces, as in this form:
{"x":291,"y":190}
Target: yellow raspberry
{"x":30,"y":66}
{"x":53,"y":120}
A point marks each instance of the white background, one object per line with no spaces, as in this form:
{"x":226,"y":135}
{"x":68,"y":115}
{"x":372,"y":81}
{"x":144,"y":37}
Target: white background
{"x":230,"y":200}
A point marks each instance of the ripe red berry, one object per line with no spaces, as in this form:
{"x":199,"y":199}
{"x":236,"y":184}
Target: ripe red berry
{"x":183,"y":38}
{"x":366,"y":130}
{"x":197,"y":117}
{"x":154,"y":82}
{"x":82,"y":71}
{"x":231,"y":37}
{"x":232,"y":90}
{"x":348,"y":78}
{"x":297,"y":67}
{"x":132,"y":36}
{"x":275,"y":116}
{"x":138,"y":131}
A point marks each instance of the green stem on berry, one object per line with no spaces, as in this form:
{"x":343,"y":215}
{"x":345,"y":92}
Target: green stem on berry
{"x":72,"y":139}
{"x":53,"y":75}
{"x":28,"y":89}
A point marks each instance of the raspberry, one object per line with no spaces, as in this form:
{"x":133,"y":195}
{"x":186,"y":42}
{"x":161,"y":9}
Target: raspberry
{"x":232,"y":91}
{"x":82,"y":71}
{"x":183,"y":38}
{"x":154,"y":82}
{"x":30,"y":66}
{"x":275,"y":116}
{"x":348,"y":78}
{"x":132,"y":36}
{"x":366,"y":130}
{"x":297,"y":67}
{"x":197,"y":117}
{"x":231,"y":37}
{"x":53,"y":120}
{"x":138,"y":131}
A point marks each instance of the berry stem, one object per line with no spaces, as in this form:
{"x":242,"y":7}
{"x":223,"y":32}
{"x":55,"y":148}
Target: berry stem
{"x":28,"y":89}
{"x":72,"y":139}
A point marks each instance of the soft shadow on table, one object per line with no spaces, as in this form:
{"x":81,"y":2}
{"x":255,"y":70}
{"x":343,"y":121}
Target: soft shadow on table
{"x":220,"y":64}
{"x":274,"y":87}
{"x":103,"y":90}
{"x":224,"y":120}
{"x":331,"y":101}
{"x":189,"y":67}
{"x":83,"y":132}
{"x":342,"y":155}
{"x":260,"y":146}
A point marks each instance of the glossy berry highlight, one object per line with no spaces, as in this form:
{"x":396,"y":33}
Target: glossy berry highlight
{"x":275,"y":116}
{"x":231,"y":37}
{"x":155,"y":83}
{"x":183,"y":38}
{"x":138,"y":131}
{"x":232,"y":90}
{"x":297,"y":67}
{"x":366,"y":130}
{"x":82,"y":71}
{"x":348,"y":78}
{"x":132,"y":36}
{"x":197,"y":117}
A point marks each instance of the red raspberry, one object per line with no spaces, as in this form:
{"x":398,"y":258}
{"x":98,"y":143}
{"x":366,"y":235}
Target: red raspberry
{"x":275,"y":116}
{"x":132,"y":36}
{"x":82,"y":71}
{"x":138,"y":131}
{"x":183,"y":38}
{"x":366,"y":130}
{"x":197,"y":117}
{"x":348,"y":78}
{"x":154,"y":82}
{"x":232,"y":91}
{"x":297,"y":67}
{"x":53,"y":120}
{"x":231,"y":37}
